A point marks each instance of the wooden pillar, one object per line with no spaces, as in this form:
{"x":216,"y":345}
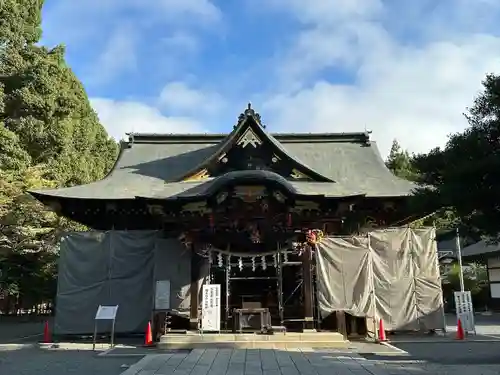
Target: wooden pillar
{"x":194,"y":290}
{"x":307,"y":285}
{"x":354,"y":325}
{"x":341,"y":323}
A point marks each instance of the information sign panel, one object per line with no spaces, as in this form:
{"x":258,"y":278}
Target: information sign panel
{"x":211,"y":306}
{"x":162,"y":295}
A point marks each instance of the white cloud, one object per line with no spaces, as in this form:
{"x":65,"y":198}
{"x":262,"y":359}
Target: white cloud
{"x":415,"y":93}
{"x":327,"y":12}
{"x":178,"y":97}
{"x":181,"y":41}
{"x":120,"y":117}
{"x":117,"y":57}
{"x":204,"y":10}
{"x":114,"y":26}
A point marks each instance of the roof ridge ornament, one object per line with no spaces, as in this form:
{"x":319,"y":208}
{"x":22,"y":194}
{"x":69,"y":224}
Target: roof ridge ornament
{"x":250,"y":112}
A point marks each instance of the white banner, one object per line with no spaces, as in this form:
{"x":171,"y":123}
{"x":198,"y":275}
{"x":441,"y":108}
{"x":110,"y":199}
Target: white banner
{"x":210,"y":308}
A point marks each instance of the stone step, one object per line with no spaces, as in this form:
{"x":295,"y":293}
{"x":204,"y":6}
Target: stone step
{"x":247,"y":341}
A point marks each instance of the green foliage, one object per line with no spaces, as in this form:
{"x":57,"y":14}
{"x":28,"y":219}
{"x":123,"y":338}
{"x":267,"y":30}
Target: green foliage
{"x":20,"y":22}
{"x":49,"y":137}
{"x":475,"y":277}
{"x":400,"y":163}
{"x":463,"y":176}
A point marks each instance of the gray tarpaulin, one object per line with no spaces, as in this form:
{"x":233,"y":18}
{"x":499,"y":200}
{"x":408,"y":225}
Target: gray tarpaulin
{"x":117,"y":268}
{"x":391,"y":274}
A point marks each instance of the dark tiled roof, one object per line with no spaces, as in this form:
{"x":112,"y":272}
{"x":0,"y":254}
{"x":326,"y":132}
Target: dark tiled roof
{"x":482,"y":247}
{"x":211,"y":185}
{"x":151,"y":165}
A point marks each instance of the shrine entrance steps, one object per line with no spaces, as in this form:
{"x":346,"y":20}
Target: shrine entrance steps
{"x":194,"y":340}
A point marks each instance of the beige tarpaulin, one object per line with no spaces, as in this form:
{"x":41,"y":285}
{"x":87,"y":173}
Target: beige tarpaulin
{"x":390,"y":274}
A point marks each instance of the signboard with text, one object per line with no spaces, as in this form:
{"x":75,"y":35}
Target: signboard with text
{"x":465,"y":310}
{"x":210,"y":309}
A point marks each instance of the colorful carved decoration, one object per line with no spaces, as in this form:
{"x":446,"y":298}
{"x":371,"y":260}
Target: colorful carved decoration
{"x":296,"y":174}
{"x":314,"y":236}
{"x":249,"y":193}
{"x":254,"y":233}
{"x":199,"y":176}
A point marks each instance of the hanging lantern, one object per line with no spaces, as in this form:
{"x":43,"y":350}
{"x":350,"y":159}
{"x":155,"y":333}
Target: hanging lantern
{"x":289,"y":220}
{"x":253,"y":264}
{"x":263,"y":262}
{"x":240,"y":263}
{"x":219,"y":260}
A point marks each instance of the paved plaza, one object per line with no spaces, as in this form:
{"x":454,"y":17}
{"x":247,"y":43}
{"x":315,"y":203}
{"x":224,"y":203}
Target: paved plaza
{"x":294,"y":362}
{"x":471,"y":358}
{"x":33,"y":361}
{"x":19,"y":354}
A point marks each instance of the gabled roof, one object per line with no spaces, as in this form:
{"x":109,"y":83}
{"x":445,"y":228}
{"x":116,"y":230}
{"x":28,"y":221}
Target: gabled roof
{"x":153,"y":165}
{"x":249,"y":132}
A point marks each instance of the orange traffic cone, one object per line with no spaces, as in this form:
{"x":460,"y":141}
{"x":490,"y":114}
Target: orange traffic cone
{"x":381,"y":331}
{"x":148,"y":340}
{"x":460,"y":331}
{"x":46,"y":333}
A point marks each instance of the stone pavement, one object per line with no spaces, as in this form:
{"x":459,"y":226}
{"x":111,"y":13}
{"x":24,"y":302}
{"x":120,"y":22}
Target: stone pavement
{"x":292,"y":362}
{"x":33,"y":361}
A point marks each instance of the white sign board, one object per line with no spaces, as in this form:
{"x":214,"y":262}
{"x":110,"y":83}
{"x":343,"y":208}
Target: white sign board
{"x":210,"y":309}
{"x":162,"y":295}
{"x":465,"y":310}
{"x":106,"y":312}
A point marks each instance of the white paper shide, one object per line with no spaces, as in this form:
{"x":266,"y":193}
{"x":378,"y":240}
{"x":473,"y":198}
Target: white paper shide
{"x":211,"y":305}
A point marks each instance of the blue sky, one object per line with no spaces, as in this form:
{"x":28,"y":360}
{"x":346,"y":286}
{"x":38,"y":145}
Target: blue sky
{"x":403,"y":69}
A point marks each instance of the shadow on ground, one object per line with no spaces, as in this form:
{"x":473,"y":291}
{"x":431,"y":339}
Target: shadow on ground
{"x":447,"y":352}
{"x":31,"y":361}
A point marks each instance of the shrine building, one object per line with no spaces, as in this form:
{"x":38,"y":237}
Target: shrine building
{"x":243,"y":210}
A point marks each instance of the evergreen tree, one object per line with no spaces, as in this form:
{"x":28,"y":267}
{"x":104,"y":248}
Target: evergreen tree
{"x":49,"y":137}
{"x":464,"y":175}
{"x":400,"y":163}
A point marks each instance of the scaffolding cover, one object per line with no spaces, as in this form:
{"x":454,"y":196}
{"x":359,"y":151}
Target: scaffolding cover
{"x":118,"y":268}
{"x":390,"y":274}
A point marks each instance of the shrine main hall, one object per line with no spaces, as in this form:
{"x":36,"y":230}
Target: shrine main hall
{"x":299,"y":232}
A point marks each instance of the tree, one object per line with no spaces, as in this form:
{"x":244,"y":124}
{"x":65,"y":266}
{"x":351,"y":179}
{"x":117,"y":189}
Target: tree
{"x":475,"y":277}
{"x":400,"y":163}
{"x":49,"y":137}
{"x":463,"y":176}
{"x":20,"y":22}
